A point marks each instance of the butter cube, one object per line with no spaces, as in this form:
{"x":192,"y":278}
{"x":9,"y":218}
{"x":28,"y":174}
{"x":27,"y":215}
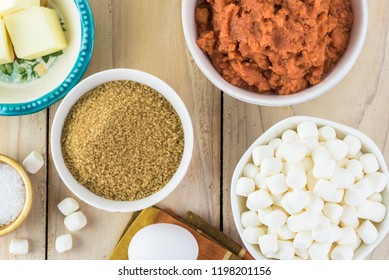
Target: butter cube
{"x":10,"y":6}
{"x":6,"y":50}
{"x":35,"y":32}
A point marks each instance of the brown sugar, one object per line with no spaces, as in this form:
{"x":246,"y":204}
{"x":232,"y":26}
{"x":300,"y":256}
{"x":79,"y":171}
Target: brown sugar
{"x":123,"y":141}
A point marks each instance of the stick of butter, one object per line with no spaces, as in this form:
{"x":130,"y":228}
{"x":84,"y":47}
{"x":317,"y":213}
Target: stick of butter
{"x":6,"y":50}
{"x":11,"y":6}
{"x":35,"y":32}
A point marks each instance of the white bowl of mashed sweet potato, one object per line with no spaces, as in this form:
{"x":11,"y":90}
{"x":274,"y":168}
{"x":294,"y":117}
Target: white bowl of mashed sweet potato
{"x":275,"y":53}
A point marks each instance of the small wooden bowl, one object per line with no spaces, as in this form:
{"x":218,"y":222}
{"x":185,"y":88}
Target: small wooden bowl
{"x":6,"y":229}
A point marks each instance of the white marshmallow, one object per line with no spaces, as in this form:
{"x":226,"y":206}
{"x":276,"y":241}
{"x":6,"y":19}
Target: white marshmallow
{"x":75,"y":221}
{"x":18,"y":247}
{"x":285,"y":233}
{"x":377,"y":197}
{"x":365,"y":185}
{"x":322,"y":233}
{"x":261,"y":152}
{"x":250,"y":219}
{"x":289,"y":136}
{"x":342,"y":163}
{"x":343,"y":178}
{"x":319,"y":251}
{"x":63,"y":243}
{"x":258,"y":200}
{"x":310,"y":143}
{"x":68,"y":206}
{"x":308,"y":220}
{"x":336,"y":233}
{"x":279,"y":153}
{"x":298,"y":199}
{"x":308,"y":163}
{"x":337,"y":197}
{"x":369,"y":163}
{"x":304,"y":254}
{"x":311,"y":181}
{"x":349,"y":216}
{"x":342,"y":252}
{"x":302,"y":240}
{"x":324,"y":168}
{"x":251,"y":234}
{"x":371,"y":210}
{"x":296,"y":178}
{"x":275,"y":143}
{"x":295,"y":152}
{"x":275,"y":219}
{"x":324,"y":189}
{"x":354,"y":145}
{"x":294,"y":223}
{"x":262,"y":213}
{"x":332,"y":210}
{"x":326,"y":133}
{"x":277,"y":184}
{"x":307,"y":129}
{"x":245,"y":186}
{"x":378,"y":180}
{"x":285,"y":250}
{"x":367,"y":232}
{"x":356,"y":168}
{"x":285,"y":203}
{"x":33,"y":162}
{"x":357,"y":243}
{"x":315,"y":203}
{"x":337,"y":149}
{"x":268,"y":244}
{"x":355,"y":196}
{"x":319,"y":152}
{"x":287,"y":166}
{"x":277,"y":199}
{"x":323,"y":220}
{"x":348,"y":237}
{"x":260,"y":181}
{"x":250,"y":170}
{"x":271,"y":166}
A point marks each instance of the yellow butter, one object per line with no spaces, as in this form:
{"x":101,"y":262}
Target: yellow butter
{"x":35,"y":32}
{"x":6,"y":50}
{"x":11,"y":6}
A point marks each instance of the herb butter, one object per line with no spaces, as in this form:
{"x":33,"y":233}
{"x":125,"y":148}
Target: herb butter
{"x":11,"y":6}
{"x":6,"y":51}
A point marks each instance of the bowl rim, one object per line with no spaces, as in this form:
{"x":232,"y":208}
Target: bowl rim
{"x":330,"y":81}
{"x":82,"y":88}
{"x":291,"y":123}
{"x":74,"y":76}
{"x":12,"y":226}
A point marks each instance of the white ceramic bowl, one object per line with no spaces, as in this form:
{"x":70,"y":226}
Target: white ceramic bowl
{"x":90,"y":83}
{"x":342,"y":67}
{"x":239,"y":202}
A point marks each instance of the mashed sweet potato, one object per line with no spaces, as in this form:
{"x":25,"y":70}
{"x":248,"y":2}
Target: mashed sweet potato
{"x":282,"y":46}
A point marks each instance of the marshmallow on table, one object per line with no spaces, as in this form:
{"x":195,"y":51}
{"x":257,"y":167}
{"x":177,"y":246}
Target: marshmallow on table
{"x":302,"y":240}
{"x":75,"y":221}
{"x":336,"y":148}
{"x":251,"y":234}
{"x":307,"y":129}
{"x":327,"y":133}
{"x":369,"y":163}
{"x":285,"y":251}
{"x":323,"y":168}
{"x":348,"y":236}
{"x":349,"y":216}
{"x":63,"y":243}
{"x":356,"y":168}
{"x":68,"y":206}
{"x":324,"y":189}
{"x":342,"y":177}
{"x":259,"y":199}
{"x":342,"y":252}
{"x":260,"y":181}
{"x":271,"y":166}
{"x":296,"y":178}
{"x":250,"y":219}
{"x":289,"y":136}
{"x":268,"y":243}
{"x":285,"y":233}
{"x":295,"y":152}
{"x":367,"y":232}
{"x":261,"y":152}
{"x":33,"y":162}
{"x":371,"y":210}
{"x":277,"y":184}
{"x":245,"y":186}
{"x":354,"y":145}
{"x":319,"y":251}
{"x":275,"y":219}
{"x":298,"y":199}
{"x":250,"y":170}
{"x":275,"y":143}
{"x":18,"y":247}
{"x":378,"y":180}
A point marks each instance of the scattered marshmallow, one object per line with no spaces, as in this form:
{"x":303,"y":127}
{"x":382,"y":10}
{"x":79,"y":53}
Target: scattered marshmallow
{"x":259,"y":199}
{"x":336,"y":148}
{"x":354,"y":145}
{"x":372,"y":211}
{"x":261,"y":152}
{"x":302,"y":240}
{"x":75,"y":221}
{"x":250,"y":219}
{"x":319,"y":251}
{"x":367,"y":232}
{"x":271,"y":166}
{"x":277,"y":184}
{"x":342,"y":252}
{"x":324,"y":189}
{"x":268,"y":243}
{"x":324,"y":168}
{"x":63,"y":243}
{"x":296,"y":178}
{"x":33,"y":162}
{"x":245,"y":186}
{"x":369,"y":163}
{"x":251,"y":234}
{"x":68,"y":205}
{"x":295,"y":152}
{"x":18,"y":247}
{"x":326,"y":133}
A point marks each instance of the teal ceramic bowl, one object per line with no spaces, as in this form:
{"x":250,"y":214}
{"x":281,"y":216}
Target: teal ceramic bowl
{"x":29,"y":86}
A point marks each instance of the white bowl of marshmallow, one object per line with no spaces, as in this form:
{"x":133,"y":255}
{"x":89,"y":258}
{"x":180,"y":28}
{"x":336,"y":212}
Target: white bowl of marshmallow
{"x":310,"y":188}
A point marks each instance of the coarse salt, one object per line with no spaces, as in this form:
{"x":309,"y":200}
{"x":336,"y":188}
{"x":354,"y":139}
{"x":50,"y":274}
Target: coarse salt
{"x":12,"y":194}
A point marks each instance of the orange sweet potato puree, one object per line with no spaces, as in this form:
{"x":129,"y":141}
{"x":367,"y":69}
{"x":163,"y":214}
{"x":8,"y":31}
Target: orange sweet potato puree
{"x":282,"y":46}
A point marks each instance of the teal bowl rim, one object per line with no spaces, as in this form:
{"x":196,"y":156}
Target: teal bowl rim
{"x":75,"y":75}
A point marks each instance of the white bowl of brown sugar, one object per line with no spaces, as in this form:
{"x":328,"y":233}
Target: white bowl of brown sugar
{"x":122,"y":140}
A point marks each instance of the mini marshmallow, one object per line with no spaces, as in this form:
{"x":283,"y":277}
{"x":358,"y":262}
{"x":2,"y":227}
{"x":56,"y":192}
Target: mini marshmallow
{"x":260,"y":181}
{"x":337,"y":149}
{"x":324,"y":189}
{"x":262,"y":213}
{"x":298,"y":199}
{"x":307,"y":129}
{"x":367,"y":232}
{"x":250,"y":170}
{"x":315,"y":203}
{"x":33,"y":162}
{"x":342,"y":163}
{"x":371,"y":210}
{"x":296,"y":178}
{"x":378,"y":180}
{"x":279,"y":153}
{"x":357,"y":243}
{"x":277,"y":184}
{"x":377,"y":197}
{"x":287,"y":166}
{"x":323,"y":220}
{"x":369,"y":163}
{"x":285,"y":203}
{"x":337,"y":197}
{"x":75,"y":221}
{"x":332,"y":210}
{"x":322,"y":233}
{"x":342,"y":252}
{"x":268,"y":243}
{"x":289,"y":136}
{"x":271,"y":166}
{"x":349,"y":216}
{"x":285,"y":233}
{"x":18,"y":247}
{"x":308,"y":220}
{"x":356,"y":168}
{"x":245,"y":186}
{"x":68,"y":205}
{"x":336,"y":233}
{"x":319,"y":152}
{"x":324,"y":168}
{"x":295,"y":152}
{"x":251,"y":234}
{"x":326,"y":133}
{"x":275,"y":143}
{"x":355,"y":196}
{"x":261,"y":152}
{"x":343,"y":178}
{"x":354,"y":145}
{"x":275,"y":219}
{"x":250,"y":219}
{"x":304,"y":254}
{"x":310,"y":143}
{"x":302,"y":240}
{"x":319,"y":251}
{"x":366,"y":185}
{"x":308,"y":163}
{"x":294,"y":223}
{"x":258,"y":200}
{"x":277,"y":199}
{"x":285,"y":250}
{"x":63,"y":243}
{"x":311,"y":181}
{"x":348,"y":236}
